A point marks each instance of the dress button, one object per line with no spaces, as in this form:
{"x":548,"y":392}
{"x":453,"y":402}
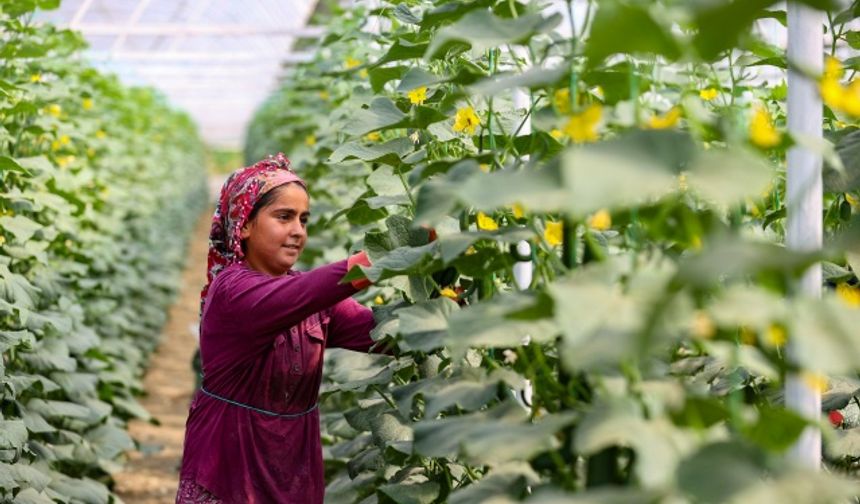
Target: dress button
{"x":296,"y":347}
{"x":296,"y":367}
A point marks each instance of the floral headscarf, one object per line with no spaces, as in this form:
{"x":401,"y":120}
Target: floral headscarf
{"x":240,"y":193}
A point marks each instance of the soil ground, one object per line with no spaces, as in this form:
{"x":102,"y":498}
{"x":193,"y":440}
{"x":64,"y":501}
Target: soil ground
{"x":151,"y":474}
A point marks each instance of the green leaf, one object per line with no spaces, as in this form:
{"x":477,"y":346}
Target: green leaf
{"x":481,"y":30}
{"x":658,"y":445}
{"x":17,"y":290}
{"x":404,"y":48}
{"x":379,"y":76}
{"x":402,"y":260}
{"x":424,"y":325}
{"x":491,"y":324}
{"x":80,"y":489}
{"x":728,"y":176}
{"x":9,"y":164}
{"x":532,"y":78}
{"x":13,"y":434}
{"x":642,"y":33}
{"x":495,"y":436}
{"x":776,"y":429}
{"x":633,"y":168}
{"x":423,"y":492}
{"x":389,"y":152}
{"x":22,"y":228}
{"x":848,"y":179}
{"x":382,"y":113}
{"x":9,"y":339}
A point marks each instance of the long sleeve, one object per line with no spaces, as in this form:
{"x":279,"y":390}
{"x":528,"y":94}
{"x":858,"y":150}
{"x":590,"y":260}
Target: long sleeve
{"x":350,"y":326}
{"x":259,"y":305}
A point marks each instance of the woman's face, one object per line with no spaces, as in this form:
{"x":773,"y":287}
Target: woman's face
{"x":276,"y":236}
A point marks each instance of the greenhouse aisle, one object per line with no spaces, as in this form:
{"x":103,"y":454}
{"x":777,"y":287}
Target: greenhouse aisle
{"x":151,"y":475}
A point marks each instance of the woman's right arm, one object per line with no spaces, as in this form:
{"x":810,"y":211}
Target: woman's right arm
{"x":253,"y":303}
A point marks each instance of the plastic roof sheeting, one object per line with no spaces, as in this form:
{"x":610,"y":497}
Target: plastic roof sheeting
{"x":216,"y":59}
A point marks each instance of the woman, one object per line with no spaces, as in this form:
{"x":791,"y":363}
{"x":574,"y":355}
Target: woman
{"x":253,"y":430}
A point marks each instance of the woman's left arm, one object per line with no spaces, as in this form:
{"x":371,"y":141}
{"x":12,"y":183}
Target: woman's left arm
{"x":350,"y":326}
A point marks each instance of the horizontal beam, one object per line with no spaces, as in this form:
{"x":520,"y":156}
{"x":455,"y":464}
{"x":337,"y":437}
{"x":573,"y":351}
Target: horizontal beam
{"x":200,"y":30}
{"x":211,"y":57}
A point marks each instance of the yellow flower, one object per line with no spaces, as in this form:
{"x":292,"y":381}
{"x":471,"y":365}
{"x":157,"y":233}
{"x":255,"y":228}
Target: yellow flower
{"x":2,"y":240}
{"x":850,"y":295}
{"x":775,"y":335}
{"x":55,"y":110}
{"x":448,"y":293}
{"x":831,"y":93}
{"x":832,"y":69}
{"x":557,"y":134}
{"x":100,"y":134}
{"x":682,"y":182}
{"x":702,"y":327}
{"x":518,"y":210}
{"x":851,"y":200}
{"x":471,"y":250}
{"x":310,"y":140}
{"x":65,"y":140}
{"x":91,"y":152}
{"x":582,"y":127}
{"x":601,"y":220}
{"x":378,"y":300}
{"x":554,"y":233}
{"x":747,"y":336}
{"x":708,"y":94}
{"x":418,"y":96}
{"x":666,"y":121}
{"x":561,"y":99}
{"x":851,"y":98}
{"x":762,"y":131}
{"x":486,"y":222}
{"x":363,"y":73}
{"x":36,"y":78}
{"x":55,"y":145}
{"x":373,"y":136}
{"x":351,"y":62}
{"x":466,"y":120}
{"x":816,"y":381}
{"x":696,"y":243}
{"x":485,"y":167}
{"x":324,"y":95}
{"x":65,"y":161}
{"x":87,"y":103}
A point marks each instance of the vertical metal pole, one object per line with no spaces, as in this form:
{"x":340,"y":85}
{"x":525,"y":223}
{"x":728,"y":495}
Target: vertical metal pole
{"x":804,"y":198}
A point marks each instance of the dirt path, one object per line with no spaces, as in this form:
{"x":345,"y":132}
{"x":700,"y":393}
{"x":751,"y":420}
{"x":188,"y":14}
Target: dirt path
{"x":151,"y":475}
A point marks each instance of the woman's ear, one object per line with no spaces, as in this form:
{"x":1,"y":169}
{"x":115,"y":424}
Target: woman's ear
{"x":245,"y":232}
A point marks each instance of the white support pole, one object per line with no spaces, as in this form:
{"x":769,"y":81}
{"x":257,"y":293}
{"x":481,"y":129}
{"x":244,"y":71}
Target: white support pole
{"x":524,"y":269}
{"x":804,"y":198}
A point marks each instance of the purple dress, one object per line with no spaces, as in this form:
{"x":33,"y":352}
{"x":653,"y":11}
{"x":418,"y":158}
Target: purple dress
{"x":261,"y":343}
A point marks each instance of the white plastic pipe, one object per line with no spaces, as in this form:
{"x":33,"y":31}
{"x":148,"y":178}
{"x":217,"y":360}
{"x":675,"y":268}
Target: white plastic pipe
{"x":804,"y":198}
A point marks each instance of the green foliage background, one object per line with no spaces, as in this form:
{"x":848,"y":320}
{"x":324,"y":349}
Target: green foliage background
{"x":657,"y":318}
{"x":99,"y":187}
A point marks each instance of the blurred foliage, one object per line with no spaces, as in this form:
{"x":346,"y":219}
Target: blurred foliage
{"x":100,"y":185}
{"x":644,"y":164}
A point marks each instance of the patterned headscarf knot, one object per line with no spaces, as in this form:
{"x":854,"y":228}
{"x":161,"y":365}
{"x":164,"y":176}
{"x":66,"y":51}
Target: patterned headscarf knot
{"x":239,"y":194}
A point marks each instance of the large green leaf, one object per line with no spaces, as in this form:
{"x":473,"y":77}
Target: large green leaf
{"x":389,"y":152}
{"x":481,"y":30}
{"x":642,"y":34}
{"x":496,"y":436}
{"x":493,"y":324}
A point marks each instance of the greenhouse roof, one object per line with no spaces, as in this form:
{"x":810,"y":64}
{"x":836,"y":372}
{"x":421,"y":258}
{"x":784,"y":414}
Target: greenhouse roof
{"x":216,"y":59}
